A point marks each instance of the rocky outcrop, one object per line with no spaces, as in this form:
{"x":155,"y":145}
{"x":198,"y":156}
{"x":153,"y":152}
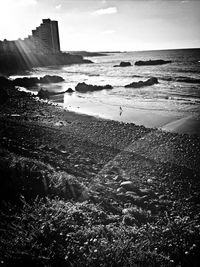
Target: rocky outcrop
{"x":139,"y":84}
{"x":152,"y":62}
{"x":32,"y":81}
{"x":14,"y":63}
{"x":83,"y":87}
{"x":123,"y":64}
{"x":26,"y":82}
{"x":51,"y":79}
{"x":69,"y":90}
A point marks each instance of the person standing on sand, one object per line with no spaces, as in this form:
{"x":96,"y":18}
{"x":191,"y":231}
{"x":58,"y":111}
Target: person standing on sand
{"x":120,"y":108}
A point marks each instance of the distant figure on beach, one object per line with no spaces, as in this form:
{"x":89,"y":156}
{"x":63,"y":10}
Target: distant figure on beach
{"x":120,"y":108}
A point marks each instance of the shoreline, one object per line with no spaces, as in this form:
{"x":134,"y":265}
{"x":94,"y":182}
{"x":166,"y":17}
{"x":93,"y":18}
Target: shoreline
{"x":31,"y":109}
{"x":169,"y":121}
{"x":164,"y":121}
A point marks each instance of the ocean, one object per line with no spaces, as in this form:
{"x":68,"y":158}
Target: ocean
{"x":169,"y":105}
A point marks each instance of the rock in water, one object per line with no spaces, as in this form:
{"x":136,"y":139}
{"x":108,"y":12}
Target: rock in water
{"x":69,"y":90}
{"x":26,"y":82}
{"x":123,"y":64}
{"x":83,"y":87}
{"x":32,"y":81}
{"x":139,"y":84}
{"x":51,"y":79}
{"x":152,"y":62}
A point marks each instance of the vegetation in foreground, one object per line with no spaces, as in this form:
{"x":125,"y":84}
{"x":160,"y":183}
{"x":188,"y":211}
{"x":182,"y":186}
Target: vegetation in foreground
{"x":66,"y":230}
{"x":58,"y":233}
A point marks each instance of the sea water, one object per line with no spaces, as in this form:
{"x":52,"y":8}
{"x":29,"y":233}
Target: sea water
{"x":153,"y":106}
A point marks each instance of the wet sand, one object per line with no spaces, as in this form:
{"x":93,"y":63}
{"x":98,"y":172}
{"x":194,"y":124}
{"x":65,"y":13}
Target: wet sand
{"x":189,"y":125}
{"x":167,"y":120}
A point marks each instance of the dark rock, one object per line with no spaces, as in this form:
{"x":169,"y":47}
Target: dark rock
{"x":123,"y":64}
{"x":139,"y":84}
{"x":51,"y":79}
{"x":83,"y":87}
{"x":152,"y":62}
{"x":32,"y":81}
{"x":26,"y":82}
{"x":69,"y":90}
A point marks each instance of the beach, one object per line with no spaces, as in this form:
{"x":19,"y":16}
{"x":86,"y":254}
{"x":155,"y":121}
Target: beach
{"x":137,"y":178}
{"x":163,"y":105}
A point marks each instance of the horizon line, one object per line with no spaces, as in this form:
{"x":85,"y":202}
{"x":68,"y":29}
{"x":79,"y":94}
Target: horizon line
{"x":124,"y":51}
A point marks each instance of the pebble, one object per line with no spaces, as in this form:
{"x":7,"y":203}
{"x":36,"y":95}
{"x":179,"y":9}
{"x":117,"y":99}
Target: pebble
{"x":128,"y":185}
{"x":149,"y":181}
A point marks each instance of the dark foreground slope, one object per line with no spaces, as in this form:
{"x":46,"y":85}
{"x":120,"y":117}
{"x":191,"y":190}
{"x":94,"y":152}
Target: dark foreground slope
{"x":12,"y":63}
{"x":90,"y":192}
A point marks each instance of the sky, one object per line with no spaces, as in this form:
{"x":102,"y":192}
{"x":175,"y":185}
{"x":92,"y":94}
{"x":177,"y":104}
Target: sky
{"x":106,"y":25}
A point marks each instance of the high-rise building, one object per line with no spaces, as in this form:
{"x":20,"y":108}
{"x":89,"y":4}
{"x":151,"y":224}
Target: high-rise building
{"x":44,"y":39}
{"x":47,"y":36}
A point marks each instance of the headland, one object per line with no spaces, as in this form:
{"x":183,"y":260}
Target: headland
{"x":41,"y":48}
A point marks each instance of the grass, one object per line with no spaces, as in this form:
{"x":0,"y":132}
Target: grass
{"x":53,"y":232}
{"x":32,"y":178}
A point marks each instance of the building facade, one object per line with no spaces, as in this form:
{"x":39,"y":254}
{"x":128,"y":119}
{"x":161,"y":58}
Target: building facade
{"x":44,"y":39}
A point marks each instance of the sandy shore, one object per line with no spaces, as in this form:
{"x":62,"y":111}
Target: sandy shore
{"x":141,"y":114}
{"x":189,"y":125}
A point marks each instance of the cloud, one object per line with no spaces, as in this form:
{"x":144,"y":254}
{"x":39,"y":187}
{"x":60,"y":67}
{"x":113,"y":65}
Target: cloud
{"x":105,"y":11}
{"x":58,"y":6}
